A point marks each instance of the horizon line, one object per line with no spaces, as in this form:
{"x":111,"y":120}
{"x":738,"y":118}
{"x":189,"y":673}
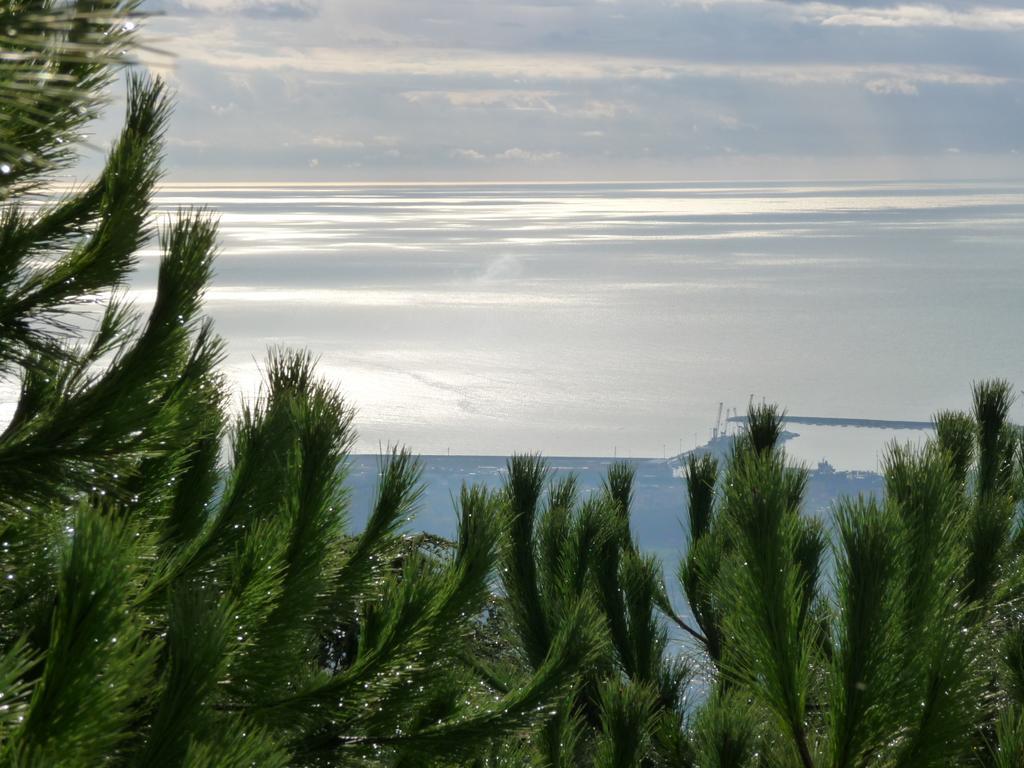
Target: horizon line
{"x":586,"y":182}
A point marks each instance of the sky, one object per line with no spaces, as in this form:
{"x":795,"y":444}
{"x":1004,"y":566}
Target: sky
{"x":447,"y":90}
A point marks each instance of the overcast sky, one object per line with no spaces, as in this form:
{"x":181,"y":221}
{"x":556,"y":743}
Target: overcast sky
{"x":343,"y":90}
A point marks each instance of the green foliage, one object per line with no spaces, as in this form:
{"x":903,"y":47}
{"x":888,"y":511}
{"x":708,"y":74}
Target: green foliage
{"x":763,"y":588}
{"x":165,"y":602}
{"x":865,"y":676}
{"x":97,"y":661}
{"x":1009,"y":747}
{"x":954,"y":432}
{"x":627,"y":706}
{"x":910,"y":651}
{"x":163,"y":607}
{"x":58,"y":56}
{"x":626,"y":715}
{"x":727,"y":731}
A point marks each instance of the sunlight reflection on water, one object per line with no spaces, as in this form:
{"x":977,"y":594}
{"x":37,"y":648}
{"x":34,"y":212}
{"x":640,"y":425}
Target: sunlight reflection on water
{"x":591,"y":319}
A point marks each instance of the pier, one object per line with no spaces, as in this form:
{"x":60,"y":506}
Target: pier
{"x":830,"y":421}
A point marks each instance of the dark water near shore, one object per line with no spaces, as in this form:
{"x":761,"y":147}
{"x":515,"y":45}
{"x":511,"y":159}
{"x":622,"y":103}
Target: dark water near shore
{"x":659,"y":505}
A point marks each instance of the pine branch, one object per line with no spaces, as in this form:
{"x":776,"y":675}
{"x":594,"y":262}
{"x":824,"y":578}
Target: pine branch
{"x":627,"y":719}
{"x":866,"y":677}
{"x":955,"y":434}
{"x":93,"y":638}
{"x":618,"y":486}
{"x":196,"y":657}
{"x":571,"y":650}
{"x":701,"y":480}
{"x":727,"y":731}
{"x":527,"y":475}
{"x":399,"y":491}
{"x":34,"y":310}
{"x":91,"y":437}
{"x":16,"y":665}
{"x":764,"y":592}
{"x":56,"y":64}
{"x":1009,"y":746}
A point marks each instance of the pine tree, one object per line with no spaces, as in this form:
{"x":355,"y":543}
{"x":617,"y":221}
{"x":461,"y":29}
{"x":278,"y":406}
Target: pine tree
{"x":164,"y":605}
{"x":887,"y":634}
{"x":907,"y":652}
{"x":159,"y":606}
{"x":566,"y":554}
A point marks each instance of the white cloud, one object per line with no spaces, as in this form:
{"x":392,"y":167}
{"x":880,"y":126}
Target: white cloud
{"x":516,"y":153}
{"x":467,"y":154}
{"x":509,"y":99}
{"x":274,"y":9}
{"x":888,"y":86}
{"x":410,"y":62}
{"x":178,"y":141}
{"x":336,"y":142}
{"x":594,"y":109}
{"x":836,"y":80}
{"x":981,"y":17}
{"x":978,"y":18}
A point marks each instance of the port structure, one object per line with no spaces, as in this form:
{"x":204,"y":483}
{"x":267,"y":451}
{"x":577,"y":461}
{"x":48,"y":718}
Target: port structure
{"x":831,"y":421}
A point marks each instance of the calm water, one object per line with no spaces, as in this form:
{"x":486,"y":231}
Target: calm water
{"x":611,"y":319}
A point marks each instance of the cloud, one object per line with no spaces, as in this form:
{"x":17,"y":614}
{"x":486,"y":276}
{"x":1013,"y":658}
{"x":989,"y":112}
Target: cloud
{"x":550,"y":101}
{"x":990,"y":16}
{"x":577,"y":88}
{"x":467,"y":154}
{"x":178,"y":141}
{"x":888,"y":86}
{"x":902,"y":16}
{"x":729,"y":122}
{"x":336,"y":142}
{"x":258,"y":9}
{"x":409,"y":62}
{"x":507,"y":99}
{"x":594,"y":109}
{"x":514,"y":154}
{"x":518,"y":154}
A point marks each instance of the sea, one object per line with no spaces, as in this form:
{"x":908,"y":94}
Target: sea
{"x":613,"y":319}
{"x":604,"y":321}
{"x":658,"y":516}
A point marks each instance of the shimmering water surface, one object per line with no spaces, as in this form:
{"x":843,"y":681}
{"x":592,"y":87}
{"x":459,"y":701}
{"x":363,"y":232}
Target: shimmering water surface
{"x":604,"y":319}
